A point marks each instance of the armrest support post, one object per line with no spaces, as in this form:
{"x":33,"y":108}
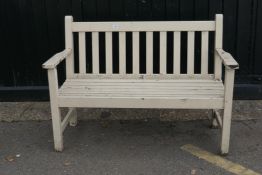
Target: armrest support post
{"x":55,"y":110}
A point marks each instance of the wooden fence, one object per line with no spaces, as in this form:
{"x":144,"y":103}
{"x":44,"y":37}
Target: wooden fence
{"x":33,"y":30}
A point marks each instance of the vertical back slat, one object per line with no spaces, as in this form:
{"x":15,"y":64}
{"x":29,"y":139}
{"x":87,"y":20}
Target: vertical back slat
{"x":95,"y":52}
{"x":204,"y":53}
{"x":69,"y":44}
{"x":190,"y":52}
{"x":135,"y":52}
{"x":149,"y":52}
{"x":109,"y":52}
{"x":163,"y":53}
{"x":82,"y":52}
{"x":218,"y":44}
{"x":122,"y":52}
{"x":177,"y":50}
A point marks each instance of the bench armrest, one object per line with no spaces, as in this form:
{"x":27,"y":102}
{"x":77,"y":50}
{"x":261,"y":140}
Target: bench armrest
{"x":227,"y":59}
{"x":56,"y":59}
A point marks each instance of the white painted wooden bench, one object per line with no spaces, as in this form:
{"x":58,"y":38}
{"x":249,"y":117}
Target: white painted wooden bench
{"x":136,"y":90}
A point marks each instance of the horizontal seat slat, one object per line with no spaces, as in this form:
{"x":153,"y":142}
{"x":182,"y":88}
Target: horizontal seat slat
{"x":142,"y":87}
{"x":105,"y":96}
{"x":134,"y":102}
{"x":145,"y":76}
{"x":143,"y":26}
{"x":122,"y":81}
{"x":143,"y":92}
{"x":145,"y":86}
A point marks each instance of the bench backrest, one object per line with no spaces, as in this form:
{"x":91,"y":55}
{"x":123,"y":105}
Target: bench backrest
{"x":149,"y":27}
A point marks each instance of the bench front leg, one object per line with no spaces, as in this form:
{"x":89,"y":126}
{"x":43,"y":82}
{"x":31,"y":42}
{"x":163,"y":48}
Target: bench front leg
{"x":229,"y":85}
{"x":55,"y":110}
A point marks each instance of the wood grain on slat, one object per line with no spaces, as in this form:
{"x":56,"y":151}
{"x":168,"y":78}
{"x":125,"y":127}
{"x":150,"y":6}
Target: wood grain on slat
{"x":177,"y":48}
{"x":95,"y":52}
{"x":147,"y":88}
{"x":143,"y":91}
{"x":145,"y":76}
{"x":109,"y":52}
{"x":204,"y":53}
{"x":82,"y":52}
{"x":158,"y":83}
{"x":190,"y":52}
{"x":186,"y":94}
{"x":97,"y":87}
{"x":138,"y":102}
{"x":144,"y":82}
{"x":135,"y":52}
{"x":122,"y":52}
{"x":163,"y":53}
{"x":140,"y":84}
{"x":149,"y":52}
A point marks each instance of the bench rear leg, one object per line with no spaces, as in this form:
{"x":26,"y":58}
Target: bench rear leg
{"x":214,"y":123}
{"x":229,"y":82}
{"x":73,"y":119}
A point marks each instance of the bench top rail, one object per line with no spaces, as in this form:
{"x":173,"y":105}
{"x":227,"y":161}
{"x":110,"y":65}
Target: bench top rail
{"x":143,"y":26}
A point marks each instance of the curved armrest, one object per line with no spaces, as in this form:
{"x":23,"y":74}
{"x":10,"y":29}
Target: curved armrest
{"x":227,"y":59}
{"x":56,"y":59}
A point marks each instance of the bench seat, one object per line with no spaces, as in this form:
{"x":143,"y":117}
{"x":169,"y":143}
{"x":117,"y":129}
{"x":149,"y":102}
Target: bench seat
{"x":142,"y":93}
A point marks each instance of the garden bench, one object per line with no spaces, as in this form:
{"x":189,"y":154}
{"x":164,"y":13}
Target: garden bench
{"x":188,"y":90}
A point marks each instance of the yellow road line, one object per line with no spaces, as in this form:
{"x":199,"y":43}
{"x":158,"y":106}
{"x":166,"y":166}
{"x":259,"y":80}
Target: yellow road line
{"x":218,"y":161}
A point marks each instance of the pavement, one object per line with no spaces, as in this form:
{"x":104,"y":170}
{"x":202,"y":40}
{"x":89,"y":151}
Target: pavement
{"x":125,"y":147}
{"x":126,"y":141}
